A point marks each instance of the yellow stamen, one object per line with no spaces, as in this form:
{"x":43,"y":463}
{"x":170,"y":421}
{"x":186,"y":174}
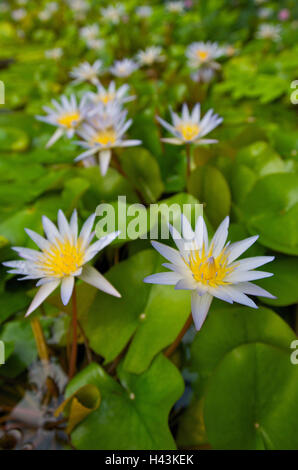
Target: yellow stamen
{"x":106,"y":98}
{"x":105,"y":137}
{"x":188,"y":130}
{"x":203,"y":55}
{"x":69,"y":119}
{"x":207,"y":269}
{"x":63,"y":258}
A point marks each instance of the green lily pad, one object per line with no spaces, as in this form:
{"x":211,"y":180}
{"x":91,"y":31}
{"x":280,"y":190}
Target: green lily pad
{"x":251,"y":402}
{"x":13,"y":139}
{"x":228,"y":327}
{"x":151,"y":316}
{"x":271,"y":210}
{"x":210,"y":186}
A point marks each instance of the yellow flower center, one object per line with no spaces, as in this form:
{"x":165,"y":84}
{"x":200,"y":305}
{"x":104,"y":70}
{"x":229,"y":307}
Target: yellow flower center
{"x":188,"y":130}
{"x":69,"y":120}
{"x":63,"y":258}
{"x":202,"y":55}
{"x":105,"y":137}
{"x":207,"y":269}
{"x":106,"y":97}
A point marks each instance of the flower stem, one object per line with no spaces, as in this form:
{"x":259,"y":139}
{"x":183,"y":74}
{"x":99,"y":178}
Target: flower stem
{"x":74,"y":351}
{"x":188,"y":158}
{"x":172,"y":348}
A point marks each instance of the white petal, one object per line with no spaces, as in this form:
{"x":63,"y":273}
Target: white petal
{"x":27,"y":253}
{"x":196,"y":112}
{"x":100,"y":244}
{"x":130,"y":143}
{"x":74,"y":224}
{"x":199,"y":231}
{"x":86,"y":154}
{"x":241,"y":276}
{"x":94,"y":278}
{"x":166,"y":125}
{"x":187,"y":231}
{"x":66,"y":289}
{"x":253,"y":289}
{"x":168,"y":278}
{"x":200,"y":305}
{"x":104,"y":161}
{"x":238,"y":296}
{"x":41,"y":242}
{"x":57,"y":134}
{"x":63,"y":225}
{"x":254,"y":262}
{"x":172,"y":140}
{"x":50,"y":229}
{"x":168,"y":252}
{"x":186,"y":284}
{"x":236,"y":249}
{"x":220,"y":293}
{"x":41,"y":295}
{"x":86,"y":230}
{"x":205,"y":141}
{"x":177,"y":238}
{"x":44,"y":280}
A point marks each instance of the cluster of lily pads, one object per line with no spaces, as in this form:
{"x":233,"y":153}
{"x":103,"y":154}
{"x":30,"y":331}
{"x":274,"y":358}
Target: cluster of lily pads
{"x":83,"y":69}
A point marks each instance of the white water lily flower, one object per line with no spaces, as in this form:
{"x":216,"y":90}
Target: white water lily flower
{"x":175,"y":7}
{"x":63,"y":256}
{"x":105,"y":131}
{"x":210,"y":268}
{"x":67,"y":116}
{"x":86,"y":72}
{"x":150,"y":55}
{"x":123,"y":68}
{"x":144,"y":11}
{"x":203,"y":53}
{"x":190,"y":128}
{"x":113,"y":13}
{"x":111,"y":94}
{"x":269,"y":31}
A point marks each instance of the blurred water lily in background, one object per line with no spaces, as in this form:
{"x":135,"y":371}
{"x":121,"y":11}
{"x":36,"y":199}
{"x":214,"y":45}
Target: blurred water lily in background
{"x":176,"y":152}
{"x":150,"y":55}
{"x":104,"y":131}
{"x":190,"y":128}
{"x":123,"y":68}
{"x":113,"y":13}
{"x":111,"y":94}
{"x":87,"y":72}
{"x":66,"y":115}
{"x":268,"y":31}
{"x":202,"y":58}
